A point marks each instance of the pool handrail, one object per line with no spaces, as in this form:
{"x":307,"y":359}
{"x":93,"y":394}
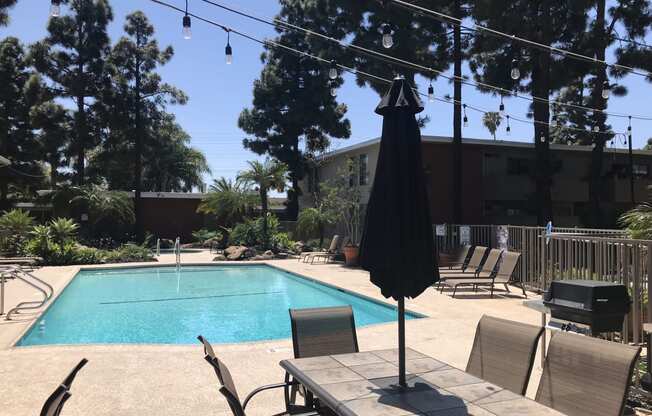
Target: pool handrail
{"x":24,"y":276}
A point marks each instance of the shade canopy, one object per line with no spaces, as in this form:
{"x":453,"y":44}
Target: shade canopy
{"x":397,"y":244}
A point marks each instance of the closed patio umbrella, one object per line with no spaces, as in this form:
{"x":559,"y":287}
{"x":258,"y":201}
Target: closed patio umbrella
{"x":397,"y":245}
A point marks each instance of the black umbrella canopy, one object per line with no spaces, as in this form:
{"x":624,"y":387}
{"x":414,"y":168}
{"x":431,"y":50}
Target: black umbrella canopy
{"x":397,"y":245}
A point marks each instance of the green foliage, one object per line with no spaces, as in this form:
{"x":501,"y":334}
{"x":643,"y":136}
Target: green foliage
{"x":63,"y":230}
{"x":206,"y":237}
{"x":228,"y":201}
{"x":4,"y":16}
{"x":129,"y":253}
{"x":15,"y":226}
{"x":313,"y":221}
{"x":342,"y":198}
{"x":250,"y":232}
{"x":491,"y":120}
{"x":638,"y":221}
{"x":282,"y":242}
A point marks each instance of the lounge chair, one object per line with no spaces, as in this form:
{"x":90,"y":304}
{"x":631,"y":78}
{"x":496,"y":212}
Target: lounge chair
{"x":486,"y":270}
{"x":329,"y":255}
{"x":502,"y":276}
{"x":55,"y":402}
{"x":321,"y":331}
{"x":584,"y":376}
{"x":228,"y":389}
{"x":335,"y":242}
{"x":461,"y":259}
{"x":503,"y":353}
{"x":473,"y":265}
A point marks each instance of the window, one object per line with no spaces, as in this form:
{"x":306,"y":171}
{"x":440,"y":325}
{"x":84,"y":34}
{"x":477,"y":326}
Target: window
{"x":352,"y":173}
{"x":517,"y":166}
{"x":641,"y":170}
{"x":363,"y":174}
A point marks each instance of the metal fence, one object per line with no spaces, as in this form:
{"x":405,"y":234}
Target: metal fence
{"x":568,"y":253}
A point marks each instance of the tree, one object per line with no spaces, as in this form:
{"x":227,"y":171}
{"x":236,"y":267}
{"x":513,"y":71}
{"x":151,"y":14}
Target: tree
{"x":16,"y":139}
{"x":648,"y":144}
{"x":548,"y":23}
{"x":4,"y":16}
{"x":53,"y":123}
{"x":228,"y":201}
{"x":293,"y":103}
{"x":138,"y":93}
{"x":73,"y":57}
{"x":491,"y":120}
{"x":265,"y":176}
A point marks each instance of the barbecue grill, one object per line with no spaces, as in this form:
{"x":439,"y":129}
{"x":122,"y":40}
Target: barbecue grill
{"x":601,"y":306}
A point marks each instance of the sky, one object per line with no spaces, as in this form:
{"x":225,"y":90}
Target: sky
{"x":219,"y":92}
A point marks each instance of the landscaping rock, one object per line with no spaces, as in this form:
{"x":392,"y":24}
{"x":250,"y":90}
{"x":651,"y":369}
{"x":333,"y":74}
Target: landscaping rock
{"x":235,"y":252}
{"x":268,"y":255}
{"x":298,"y":247}
{"x":220,"y":257}
{"x":250,"y":252}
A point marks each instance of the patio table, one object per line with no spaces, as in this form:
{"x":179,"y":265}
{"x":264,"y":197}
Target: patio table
{"x":364,"y":384}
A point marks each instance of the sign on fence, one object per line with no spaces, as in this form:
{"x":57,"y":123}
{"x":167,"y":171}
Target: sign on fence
{"x":440,"y":230}
{"x":465,"y":235}
{"x":502,"y":236}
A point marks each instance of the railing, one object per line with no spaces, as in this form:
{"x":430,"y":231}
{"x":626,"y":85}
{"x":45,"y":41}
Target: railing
{"x":158,"y":247}
{"x":43,"y":287}
{"x":177,"y":251}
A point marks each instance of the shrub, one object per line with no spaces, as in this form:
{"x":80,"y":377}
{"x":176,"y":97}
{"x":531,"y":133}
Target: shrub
{"x":282,"y":242}
{"x":244,"y":234}
{"x":63,"y":230}
{"x":15,"y":226}
{"x":206,"y":237}
{"x":128,"y":253}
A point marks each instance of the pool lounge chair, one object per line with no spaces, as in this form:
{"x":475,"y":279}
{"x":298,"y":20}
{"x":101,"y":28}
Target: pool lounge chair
{"x":584,"y":376}
{"x":330,"y":254}
{"x":229,"y":391}
{"x":55,"y":402}
{"x":486,"y":271}
{"x":335,"y":242}
{"x":502,"y":276}
{"x":461,"y":259}
{"x":317,"y":332}
{"x":473,"y":265}
{"x":503,"y":353}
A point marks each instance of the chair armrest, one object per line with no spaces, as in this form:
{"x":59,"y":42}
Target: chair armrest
{"x":264,"y":388}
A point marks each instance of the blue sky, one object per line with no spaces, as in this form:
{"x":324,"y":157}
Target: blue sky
{"x":219,"y":92}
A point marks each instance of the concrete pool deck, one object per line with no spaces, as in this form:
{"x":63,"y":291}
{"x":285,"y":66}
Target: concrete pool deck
{"x":175,"y":380}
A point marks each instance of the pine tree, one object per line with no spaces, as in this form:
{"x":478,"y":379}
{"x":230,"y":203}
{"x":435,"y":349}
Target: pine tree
{"x":4,"y":15}
{"x":293,"y":102}
{"x":73,"y":57}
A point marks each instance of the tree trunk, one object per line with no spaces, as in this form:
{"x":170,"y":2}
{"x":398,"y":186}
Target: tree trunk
{"x":541,"y":88}
{"x":457,"y":120}
{"x":263,"y":205}
{"x":138,"y":165}
{"x":80,"y":121}
{"x":293,"y":195}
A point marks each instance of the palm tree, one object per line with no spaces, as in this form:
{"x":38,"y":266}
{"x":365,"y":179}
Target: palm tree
{"x":229,"y":201}
{"x":313,"y":221}
{"x":491,"y":120}
{"x":268,"y":175}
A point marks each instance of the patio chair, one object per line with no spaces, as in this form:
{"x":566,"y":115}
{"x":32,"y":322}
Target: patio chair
{"x":55,"y":402}
{"x":461,"y":259}
{"x":335,"y":243}
{"x":503,"y":276}
{"x":503,"y":353}
{"x":473,"y":265}
{"x":228,"y":389}
{"x":486,"y":270}
{"x":318,"y":332}
{"x":584,"y":376}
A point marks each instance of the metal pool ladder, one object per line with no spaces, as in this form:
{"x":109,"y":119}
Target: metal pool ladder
{"x":177,"y":251}
{"x":28,"y":278}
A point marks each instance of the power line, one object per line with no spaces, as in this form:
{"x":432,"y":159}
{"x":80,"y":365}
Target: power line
{"x":278,"y":23}
{"x":563,"y":52}
{"x":353,"y":70}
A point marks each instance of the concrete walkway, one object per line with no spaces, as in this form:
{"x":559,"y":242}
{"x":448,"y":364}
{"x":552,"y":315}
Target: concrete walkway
{"x":175,"y":380}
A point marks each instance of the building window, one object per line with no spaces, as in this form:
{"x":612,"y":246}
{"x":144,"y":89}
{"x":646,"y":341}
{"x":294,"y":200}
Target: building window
{"x":352,"y":173}
{"x":642,"y":171}
{"x":363,"y":174}
{"x":517,"y":166}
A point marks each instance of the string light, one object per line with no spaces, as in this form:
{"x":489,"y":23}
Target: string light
{"x":515,"y":72}
{"x":606,"y":90}
{"x":596,"y":129}
{"x":501,"y":108}
{"x":508,"y":130}
{"x":629,"y":129}
{"x":55,"y":8}
{"x":466,"y":119}
{"x":228,"y":50}
{"x":388,"y":39}
{"x":431,"y":93}
{"x":333,"y":89}
{"x":187,"y":31}
{"x":543,"y":138}
{"x":333,"y":72}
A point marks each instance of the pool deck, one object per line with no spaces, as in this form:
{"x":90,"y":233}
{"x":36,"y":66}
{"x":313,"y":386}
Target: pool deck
{"x":175,"y":380}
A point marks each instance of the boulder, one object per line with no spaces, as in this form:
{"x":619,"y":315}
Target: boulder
{"x":250,"y":252}
{"x":298,"y":247}
{"x":220,"y":257}
{"x":235,"y":252}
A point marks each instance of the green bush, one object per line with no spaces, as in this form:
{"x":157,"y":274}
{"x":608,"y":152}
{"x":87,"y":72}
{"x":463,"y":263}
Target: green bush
{"x":282,"y":242}
{"x":129,"y":253}
{"x":63,"y":230}
{"x":206,"y":237}
{"x":15,"y":226}
{"x":250,"y":232}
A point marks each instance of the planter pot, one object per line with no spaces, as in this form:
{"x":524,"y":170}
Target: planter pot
{"x":351,"y":255}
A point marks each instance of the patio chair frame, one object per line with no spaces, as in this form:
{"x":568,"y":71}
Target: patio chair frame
{"x":60,"y":396}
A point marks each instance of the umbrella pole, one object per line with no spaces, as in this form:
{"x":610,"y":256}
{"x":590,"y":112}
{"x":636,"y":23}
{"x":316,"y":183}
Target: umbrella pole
{"x":401,"y":342}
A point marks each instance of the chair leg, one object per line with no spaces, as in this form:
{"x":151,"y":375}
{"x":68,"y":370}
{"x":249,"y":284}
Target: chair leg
{"x":507,"y":288}
{"x":454,"y":290}
{"x":492,"y":290}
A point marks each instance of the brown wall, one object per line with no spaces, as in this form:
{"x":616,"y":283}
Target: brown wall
{"x":172,"y":217}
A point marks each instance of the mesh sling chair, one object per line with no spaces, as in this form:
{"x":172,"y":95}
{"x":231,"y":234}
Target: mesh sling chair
{"x":584,"y":376}
{"x":503,"y":276}
{"x":55,"y":402}
{"x":486,"y":270}
{"x":461,"y":259}
{"x":503,"y":353}
{"x":473,"y":265}
{"x":318,"y":332}
{"x":228,"y":389}
{"x":335,"y":243}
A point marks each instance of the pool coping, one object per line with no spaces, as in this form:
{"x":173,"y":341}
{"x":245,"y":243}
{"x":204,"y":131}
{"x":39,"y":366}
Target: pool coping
{"x":75,"y":271}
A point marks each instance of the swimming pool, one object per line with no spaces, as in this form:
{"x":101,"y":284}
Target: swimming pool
{"x":160,"y":305}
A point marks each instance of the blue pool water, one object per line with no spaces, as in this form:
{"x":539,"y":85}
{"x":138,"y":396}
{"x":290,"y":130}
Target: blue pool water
{"x":160,"y":305}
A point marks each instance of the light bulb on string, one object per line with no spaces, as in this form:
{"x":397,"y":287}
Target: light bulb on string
{"x":333,"y":72}
{"x":333,"y":89}
{"x":629,"y":129}
{"x":515,"y":72}
{"x":596,"y":129}
{"x":568,"y":142}
{"x":431,"y":93}
{"x":508,"y":130}
{"x":501,"y":108}
{"x":55,"y":8}
{"x":543,"y":138}
{"x":606,"y":90}
{"x":187,"y":31}
{"x":228,"y":51}
{"x":466,"y":119}
{"x":388,"y":38}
